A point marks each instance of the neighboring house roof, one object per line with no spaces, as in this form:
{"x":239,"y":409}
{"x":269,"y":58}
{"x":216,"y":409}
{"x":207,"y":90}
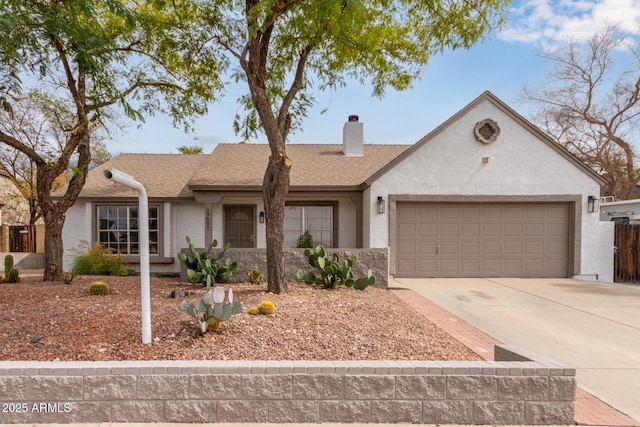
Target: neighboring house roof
{"x":242,"y":166}
{"x":163,"y":175}
{"x":488,"y":96}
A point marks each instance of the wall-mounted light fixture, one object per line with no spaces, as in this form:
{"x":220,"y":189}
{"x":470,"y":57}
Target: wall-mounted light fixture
{"x":261,"y":217}
{"x":593,"y":204}
{"x":380,"y":205}
{"x":486,"y":159}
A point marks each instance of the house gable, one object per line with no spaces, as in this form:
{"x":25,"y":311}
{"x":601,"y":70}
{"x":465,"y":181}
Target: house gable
{"x":465,"y":135}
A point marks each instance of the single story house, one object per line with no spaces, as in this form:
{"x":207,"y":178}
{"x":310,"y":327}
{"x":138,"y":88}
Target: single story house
{"x":485,"y":194}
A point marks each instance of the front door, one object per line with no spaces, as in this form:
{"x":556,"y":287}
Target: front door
{"x":240,"y":226}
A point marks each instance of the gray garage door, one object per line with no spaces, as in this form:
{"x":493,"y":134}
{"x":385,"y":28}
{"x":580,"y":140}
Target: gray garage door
{"x":482,"y":240}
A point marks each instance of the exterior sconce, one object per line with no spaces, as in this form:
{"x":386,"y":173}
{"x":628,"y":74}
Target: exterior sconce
{"x":261,"y":217}
{"x":593,"y":204}
{"x":380,"y":205}
{"x":486,"y":159}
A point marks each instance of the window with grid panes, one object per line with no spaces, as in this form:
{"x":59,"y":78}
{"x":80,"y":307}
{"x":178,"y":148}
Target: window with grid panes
{"x":119,"y":229}
{"x":318,"y":220}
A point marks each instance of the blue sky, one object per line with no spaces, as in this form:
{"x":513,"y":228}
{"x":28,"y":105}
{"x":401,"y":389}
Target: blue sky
{"x":503,"y":64}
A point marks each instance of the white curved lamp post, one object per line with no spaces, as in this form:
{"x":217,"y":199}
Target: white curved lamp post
{"x":143,"y":208}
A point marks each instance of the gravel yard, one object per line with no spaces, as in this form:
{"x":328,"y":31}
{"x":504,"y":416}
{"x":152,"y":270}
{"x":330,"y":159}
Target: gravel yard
{"x":310,"y":323}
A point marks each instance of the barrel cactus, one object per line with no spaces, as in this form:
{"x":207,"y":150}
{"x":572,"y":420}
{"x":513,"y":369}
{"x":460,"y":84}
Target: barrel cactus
{"x":98,"y":288}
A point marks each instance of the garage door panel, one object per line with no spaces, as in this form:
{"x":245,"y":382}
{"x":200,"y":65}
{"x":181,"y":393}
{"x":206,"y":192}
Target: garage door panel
{"x":512,"y":229}
{"x":556,"y":230}
{"x":534,"y":248}
{"x":471,"y":213}
{"x":512,"y":248}
{"x":471,"y":229}
{"x":482,"y":240}
{"x":428,"y":248}
{"x":448,"y":247}
{"x":492,"y":247}
{"x":492,"y":266}
{"x":448,"y":265}
{"x":427,"y":265}
{"x":535,"y":229}
{"x":471,"y":248}
{"x":449,"y":213}
{"x":406,"y":248}
{"x":427,"y":212}
{"x":428,"y":230}
{"x":471,"y":265}
{"x":406,"y":230}
{"x":492,"y":230}
{"x":448,"y":230}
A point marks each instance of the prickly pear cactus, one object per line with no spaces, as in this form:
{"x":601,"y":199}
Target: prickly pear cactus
{"x":332,"y":272}
{"x":201,"y":265}
{"x":210,"y":310}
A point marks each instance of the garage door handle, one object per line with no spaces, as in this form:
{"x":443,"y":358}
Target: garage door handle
{"x":437,"y":249}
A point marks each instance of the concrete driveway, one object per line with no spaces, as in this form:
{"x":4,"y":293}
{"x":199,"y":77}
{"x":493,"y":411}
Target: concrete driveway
{"x":594,"y":327}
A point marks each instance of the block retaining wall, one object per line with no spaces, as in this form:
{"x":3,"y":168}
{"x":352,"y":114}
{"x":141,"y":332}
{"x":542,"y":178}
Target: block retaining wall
{"x":533,"y":391}
{"x":376,"y":259}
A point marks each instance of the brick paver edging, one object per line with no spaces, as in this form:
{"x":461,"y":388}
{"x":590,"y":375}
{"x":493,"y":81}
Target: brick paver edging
{"x":532,"y":390}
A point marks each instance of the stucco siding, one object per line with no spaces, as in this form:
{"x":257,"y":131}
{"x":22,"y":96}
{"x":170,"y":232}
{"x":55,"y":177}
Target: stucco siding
{"x":520,"y":165}
{"x":76,"y":235}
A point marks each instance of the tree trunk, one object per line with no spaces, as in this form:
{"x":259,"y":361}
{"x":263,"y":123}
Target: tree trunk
{"x":53,"y":247}
{"x":274,"y":192}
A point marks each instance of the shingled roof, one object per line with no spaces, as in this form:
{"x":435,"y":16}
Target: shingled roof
{"x":163,"y":175}
{"x":313,"y":165}
{"x":238,"y":167}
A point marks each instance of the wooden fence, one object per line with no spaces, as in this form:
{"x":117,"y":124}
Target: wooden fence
{"x":627,"y":253}
{"x":22,"y":238}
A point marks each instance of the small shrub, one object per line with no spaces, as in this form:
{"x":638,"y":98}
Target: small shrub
{"x":68,"y":276}
{"x":98,"y":288}
{"x":99,"y":261}
{"x":13,"y":276}
{"x":255,"y":276}
{"x":305,"y":240}
{"x":254,"y":310}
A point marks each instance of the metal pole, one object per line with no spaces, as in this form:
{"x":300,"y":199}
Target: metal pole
{"x":143,"y":207}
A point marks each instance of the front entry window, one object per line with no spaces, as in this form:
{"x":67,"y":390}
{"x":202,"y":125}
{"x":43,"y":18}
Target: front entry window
{"x":318,"y":220}
{"x":119,"y":229}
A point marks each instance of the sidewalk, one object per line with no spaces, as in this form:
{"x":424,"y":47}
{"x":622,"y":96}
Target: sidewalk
{"x":590,"y":411}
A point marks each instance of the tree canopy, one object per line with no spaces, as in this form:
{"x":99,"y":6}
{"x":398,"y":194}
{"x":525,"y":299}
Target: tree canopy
{"x":590,"y":104}
{"x":93,"y":57}
{"x":285,"y":49}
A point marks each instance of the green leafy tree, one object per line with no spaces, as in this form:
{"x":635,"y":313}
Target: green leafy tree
{"x":193,"y":149}
{"x":93,"y":57}
{"x":283,"y":49}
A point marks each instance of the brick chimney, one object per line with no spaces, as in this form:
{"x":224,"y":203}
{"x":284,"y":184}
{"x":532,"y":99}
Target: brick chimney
{"x":352,"y":137}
